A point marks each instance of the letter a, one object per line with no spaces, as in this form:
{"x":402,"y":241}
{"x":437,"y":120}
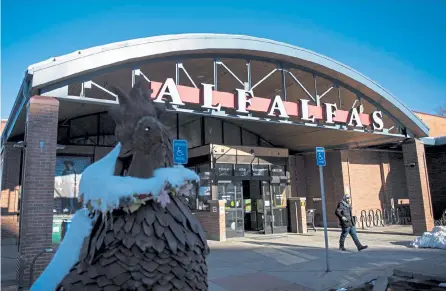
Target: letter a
{"x":355,"y":119}
{"x":277,"y":108}
{"x":170,"y":89}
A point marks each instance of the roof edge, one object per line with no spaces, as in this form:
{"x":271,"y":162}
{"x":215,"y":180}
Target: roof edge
{"x":251,"y":43}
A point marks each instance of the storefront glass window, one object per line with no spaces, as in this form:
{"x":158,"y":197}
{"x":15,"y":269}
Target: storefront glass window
{"x":66,"y":190}
{"x":212,"y":131}
{"x":264,"y":143}
{"x":84,"y":130}
{"x":279,"y":194}
{"x":204,"y":192}
{"x":169,"y":120}
{"x":249,"y":139}
{"x":231,"y":134}
{"x":190,"y":129}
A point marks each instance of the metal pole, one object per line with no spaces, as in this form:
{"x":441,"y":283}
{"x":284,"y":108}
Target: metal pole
{"x":324,"y":214}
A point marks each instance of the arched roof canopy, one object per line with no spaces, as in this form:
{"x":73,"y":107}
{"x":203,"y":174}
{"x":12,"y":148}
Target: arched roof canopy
{"x":50,"y":74}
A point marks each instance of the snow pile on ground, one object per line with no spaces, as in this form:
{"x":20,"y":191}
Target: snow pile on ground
{"x":67,"y":254}
{"x":102,"y":190}
{"x":434,"y":239}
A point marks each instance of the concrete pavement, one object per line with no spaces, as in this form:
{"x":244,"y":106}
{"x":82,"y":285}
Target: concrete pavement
{"x":292,"y":262}
{"x":9,"y":262}
{"x":297,"y":262}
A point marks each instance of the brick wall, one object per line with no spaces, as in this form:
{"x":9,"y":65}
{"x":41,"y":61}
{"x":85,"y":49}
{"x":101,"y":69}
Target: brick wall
{"x":296,"y":168}
{"x":333,"y":185}
{"x":436,"y":165}
{"x":418,"y":186}
{"x":213,"y":221}
{"x":436,"y":124}
{"x":371,"y":178}
{"x":36,"y":216}
{"x":10,"y":190}
{"x":397,"y":177}
{"x":367,"y":189}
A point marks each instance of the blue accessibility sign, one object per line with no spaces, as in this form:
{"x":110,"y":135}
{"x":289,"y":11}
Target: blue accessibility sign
{"x":180,"y":151}
{"x":320,"y":156}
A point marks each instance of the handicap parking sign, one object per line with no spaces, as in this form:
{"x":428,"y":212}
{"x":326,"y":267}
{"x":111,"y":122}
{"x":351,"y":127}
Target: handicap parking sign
{"x":320,"y":156}
{"x":180,"y":151}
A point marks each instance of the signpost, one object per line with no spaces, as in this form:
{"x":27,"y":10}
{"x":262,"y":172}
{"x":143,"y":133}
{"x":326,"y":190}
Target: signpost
{"x":321,"y":162}
{"x":180,"y":151}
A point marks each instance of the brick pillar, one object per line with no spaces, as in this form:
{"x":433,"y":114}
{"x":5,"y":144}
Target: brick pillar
{"x":214,"y":220}
{"x":386,"y":199}
{"x":11,"y":158}
{"x":417,"y":180}
{"x":298,"y":215}
{"x":38,"y":181}
{"x":337,"y":171}
{"x":296,"y":168}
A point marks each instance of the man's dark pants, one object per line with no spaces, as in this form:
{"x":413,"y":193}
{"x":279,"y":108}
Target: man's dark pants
{"x":352,"y":231}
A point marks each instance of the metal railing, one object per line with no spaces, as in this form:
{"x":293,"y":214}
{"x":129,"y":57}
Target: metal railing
{"x":33,"y":262}
{"x":388,"y":216}
{"x":442,"y":220}
{"x":24,"y":264}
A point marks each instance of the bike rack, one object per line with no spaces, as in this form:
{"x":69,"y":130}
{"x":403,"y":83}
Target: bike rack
{"x":33,"y":262}
{"x":378,"y":217}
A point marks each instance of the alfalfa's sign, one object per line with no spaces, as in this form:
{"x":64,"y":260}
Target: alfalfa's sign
{"x":244,"y":102}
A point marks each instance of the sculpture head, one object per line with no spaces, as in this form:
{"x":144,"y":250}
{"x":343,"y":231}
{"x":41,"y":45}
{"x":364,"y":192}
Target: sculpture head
{"x":145,"y":142}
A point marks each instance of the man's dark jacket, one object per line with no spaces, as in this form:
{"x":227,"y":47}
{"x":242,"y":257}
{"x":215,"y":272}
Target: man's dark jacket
{"x":344,"y":210}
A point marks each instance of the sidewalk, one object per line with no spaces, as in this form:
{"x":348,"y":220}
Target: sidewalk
{"x":9,"y":262}
{"x":297,"y":262}
{"x":292,"y":262}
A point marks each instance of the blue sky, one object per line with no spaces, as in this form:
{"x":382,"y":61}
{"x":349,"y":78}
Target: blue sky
{"x":400,"y":44}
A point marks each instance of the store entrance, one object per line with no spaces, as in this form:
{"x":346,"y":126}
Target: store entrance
{"x":232,"y":192}
{"x":254,"y":206}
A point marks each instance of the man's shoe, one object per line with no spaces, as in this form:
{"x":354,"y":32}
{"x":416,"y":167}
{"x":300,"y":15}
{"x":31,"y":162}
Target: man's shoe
{"x":342,"y":249}
{"x":362,"y":248}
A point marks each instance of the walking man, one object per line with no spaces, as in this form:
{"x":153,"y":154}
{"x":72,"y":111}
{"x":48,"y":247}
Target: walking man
{"x":344,"y":213}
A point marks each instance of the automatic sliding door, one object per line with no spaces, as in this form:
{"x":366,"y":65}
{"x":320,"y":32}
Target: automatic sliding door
{"x":232,"y":193}
{"x":279,"y":207}
{"x":267,"y":208}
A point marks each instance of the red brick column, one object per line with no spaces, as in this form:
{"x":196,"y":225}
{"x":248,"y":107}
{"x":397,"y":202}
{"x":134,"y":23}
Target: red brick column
{"x":296,"y":168}
{"x":417,"y":180}
{"x":36,"y":215}
{"x":10,"y":190}
{"x":213,"y":221}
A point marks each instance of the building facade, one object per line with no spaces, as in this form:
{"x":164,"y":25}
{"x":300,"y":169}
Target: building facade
{"x":252,"y":111}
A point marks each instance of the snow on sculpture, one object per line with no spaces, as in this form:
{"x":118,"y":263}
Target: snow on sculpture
{"x":143,"y":234}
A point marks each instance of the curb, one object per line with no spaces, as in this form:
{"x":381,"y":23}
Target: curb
{"x":418,"y":276}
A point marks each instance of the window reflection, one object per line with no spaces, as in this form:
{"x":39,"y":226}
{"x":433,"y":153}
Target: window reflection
{"x":279,"y":195}
{"x":190,"y":129}
{"x":231,"y":134}
{"x":249,"y":139}
{"x":68,"y":174}
{"x":212,"y":131}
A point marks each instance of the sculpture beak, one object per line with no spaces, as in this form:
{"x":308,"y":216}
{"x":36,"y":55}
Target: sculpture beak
{"x":131,"y":163}
{"x":124,"y":160}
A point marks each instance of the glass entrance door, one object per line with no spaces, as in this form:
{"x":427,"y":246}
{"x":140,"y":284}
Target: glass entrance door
{"x":233,"y":194}
{"x":268,"y":219}
{"x":274,"y":207}
{"x":279,"y":207}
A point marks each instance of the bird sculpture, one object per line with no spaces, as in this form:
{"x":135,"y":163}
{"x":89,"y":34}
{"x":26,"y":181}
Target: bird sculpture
{"x":147,"y":239}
